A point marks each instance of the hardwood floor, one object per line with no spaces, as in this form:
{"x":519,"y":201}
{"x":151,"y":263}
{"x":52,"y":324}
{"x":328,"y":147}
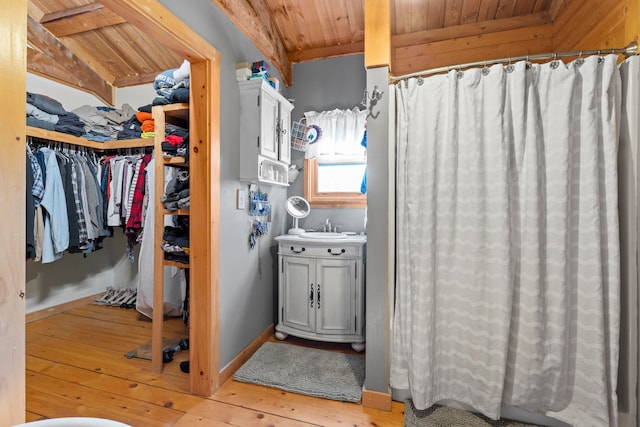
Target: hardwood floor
{"x":76,"y":367}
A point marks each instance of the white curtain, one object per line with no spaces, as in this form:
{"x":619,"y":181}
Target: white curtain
{"x":342,"y":132}
{"x":507,"y":286}
{"x":628,"y":162}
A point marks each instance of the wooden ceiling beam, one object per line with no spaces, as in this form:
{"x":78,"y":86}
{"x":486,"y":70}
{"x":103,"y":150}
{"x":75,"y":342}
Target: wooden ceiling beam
{"x":344,"y":49}
{"x":81,"y":22}
{"x":556,"y":6}
{"x":68,"y":13}
{"x":253,"y":18}
{"x":468,"y":30}
{"x":377,"y":33}
{"x":138,"y":79}
{"x":50,"y":68}
{"x":76,"y":73}
{"x":34,"y":11}
{"x":159,"y":23}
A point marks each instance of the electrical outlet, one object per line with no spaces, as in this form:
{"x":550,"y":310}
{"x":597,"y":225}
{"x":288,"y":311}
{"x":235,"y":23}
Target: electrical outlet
{"x":241,"y":199}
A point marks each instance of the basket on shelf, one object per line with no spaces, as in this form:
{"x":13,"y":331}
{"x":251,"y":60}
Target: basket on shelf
{"x":302,"y":135}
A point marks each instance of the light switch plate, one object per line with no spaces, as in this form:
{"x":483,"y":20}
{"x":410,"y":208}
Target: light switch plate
{"x":241,"y":199}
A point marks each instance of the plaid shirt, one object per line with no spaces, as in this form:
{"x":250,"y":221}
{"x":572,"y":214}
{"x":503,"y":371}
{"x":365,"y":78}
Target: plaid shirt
{"x":137,"y":194}
{"x":82,"y":224}
{"x":38,"y":182}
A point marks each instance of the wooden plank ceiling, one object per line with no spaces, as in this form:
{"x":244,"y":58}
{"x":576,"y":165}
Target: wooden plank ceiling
{"x":291,"y":31}
{"x":90,"y":46}
{"x":86,"y":45}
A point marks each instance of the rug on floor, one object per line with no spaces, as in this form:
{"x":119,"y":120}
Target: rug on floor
{"x":444,"y":416}
{"x":318,"y":373}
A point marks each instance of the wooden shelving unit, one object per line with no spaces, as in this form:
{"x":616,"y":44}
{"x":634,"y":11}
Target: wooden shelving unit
{"x":178,"y":115}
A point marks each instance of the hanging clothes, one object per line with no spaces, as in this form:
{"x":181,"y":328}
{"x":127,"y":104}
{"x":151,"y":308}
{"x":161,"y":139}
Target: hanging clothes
{"x":175,"y":281}
{"x":67,"y":206}
{"x":56,"y":223}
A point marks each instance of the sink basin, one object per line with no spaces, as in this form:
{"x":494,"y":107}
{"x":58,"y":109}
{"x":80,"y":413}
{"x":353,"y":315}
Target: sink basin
{"x":323,"y":235}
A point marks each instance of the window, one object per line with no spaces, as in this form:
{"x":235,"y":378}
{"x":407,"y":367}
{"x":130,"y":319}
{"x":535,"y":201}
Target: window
{"x":329,"y":199}
{"x":335,"y":166}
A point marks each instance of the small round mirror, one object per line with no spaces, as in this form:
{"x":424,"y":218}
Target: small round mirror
{"x":297,"y":207}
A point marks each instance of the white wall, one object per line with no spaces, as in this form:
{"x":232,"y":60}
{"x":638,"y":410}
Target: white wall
{"x":69,"y":98}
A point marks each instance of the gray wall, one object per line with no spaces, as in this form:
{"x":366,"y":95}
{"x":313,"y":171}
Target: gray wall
{"x":380,"y":238}
{"x":248,"y":281}
{"x":246,"y":275}
{"x":340,"y":83}
{"x":325,"y":85}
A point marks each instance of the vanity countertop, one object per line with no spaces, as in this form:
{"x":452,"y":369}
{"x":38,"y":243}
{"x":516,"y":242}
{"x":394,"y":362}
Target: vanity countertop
{"x":322,"y":237}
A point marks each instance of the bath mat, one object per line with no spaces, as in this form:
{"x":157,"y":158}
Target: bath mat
{"x":318,"y":373}
{"x":444,"y":416}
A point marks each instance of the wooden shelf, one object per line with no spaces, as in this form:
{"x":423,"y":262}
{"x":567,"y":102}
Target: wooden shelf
{"x":96,"y":145}
{"x":177,"y":114}
{"x":170,"y":263}
{"x":175,"y":161}
{"x":178,"y":212}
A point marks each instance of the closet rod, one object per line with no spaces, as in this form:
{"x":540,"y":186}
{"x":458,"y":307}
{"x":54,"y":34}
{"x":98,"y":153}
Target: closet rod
{"x":630,"y":49}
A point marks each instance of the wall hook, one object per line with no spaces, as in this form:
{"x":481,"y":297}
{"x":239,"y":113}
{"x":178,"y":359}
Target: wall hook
{"x":369,"y":101}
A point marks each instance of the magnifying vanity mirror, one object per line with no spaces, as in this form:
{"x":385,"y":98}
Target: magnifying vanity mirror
{"x":297,"y":207}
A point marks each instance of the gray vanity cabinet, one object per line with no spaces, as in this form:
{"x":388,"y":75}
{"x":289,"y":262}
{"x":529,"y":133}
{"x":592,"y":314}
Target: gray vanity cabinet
{"x":321,"y":290}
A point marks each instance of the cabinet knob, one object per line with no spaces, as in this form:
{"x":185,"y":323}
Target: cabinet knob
{"x":298,"y":250}
{"x":336,"y":253}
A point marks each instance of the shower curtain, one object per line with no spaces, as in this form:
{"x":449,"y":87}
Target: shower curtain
{"x":507,"y":270}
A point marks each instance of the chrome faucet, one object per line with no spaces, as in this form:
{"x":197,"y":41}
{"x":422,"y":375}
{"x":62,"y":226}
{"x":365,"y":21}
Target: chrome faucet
{"x":327,"y":225}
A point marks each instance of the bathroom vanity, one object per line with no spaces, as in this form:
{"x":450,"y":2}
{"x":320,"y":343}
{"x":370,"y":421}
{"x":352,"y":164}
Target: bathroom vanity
{"x":321,"y":287}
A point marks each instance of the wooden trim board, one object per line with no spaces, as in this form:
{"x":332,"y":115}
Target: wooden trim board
{"x":60,"y":308}
{"x":13,"y":56}
{"x":245,"y":354}
{"x":376,"y":400}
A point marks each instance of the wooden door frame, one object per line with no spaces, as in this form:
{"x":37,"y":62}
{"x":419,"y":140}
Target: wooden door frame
{"x":13,"y":73}
{"x":160,"y":24}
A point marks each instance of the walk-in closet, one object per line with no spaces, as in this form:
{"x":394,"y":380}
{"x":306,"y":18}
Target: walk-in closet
{"x":172,"y":42}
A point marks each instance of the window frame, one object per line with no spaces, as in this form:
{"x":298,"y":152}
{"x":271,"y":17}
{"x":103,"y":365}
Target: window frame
{"x":327,"y":200}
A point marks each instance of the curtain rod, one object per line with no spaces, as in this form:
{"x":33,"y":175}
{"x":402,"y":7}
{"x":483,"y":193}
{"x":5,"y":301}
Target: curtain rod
{"x":630,"y":49}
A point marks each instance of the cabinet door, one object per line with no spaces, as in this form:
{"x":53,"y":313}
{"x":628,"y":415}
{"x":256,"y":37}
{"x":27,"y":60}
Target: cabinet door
{"x":285,"y":133}
{"x":336,"y":296}
{"x":298,"y":293}
{"x":268,"y":125}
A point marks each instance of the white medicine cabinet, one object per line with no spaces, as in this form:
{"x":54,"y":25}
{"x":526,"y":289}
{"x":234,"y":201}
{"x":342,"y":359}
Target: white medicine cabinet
{"x":265,"y":140}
